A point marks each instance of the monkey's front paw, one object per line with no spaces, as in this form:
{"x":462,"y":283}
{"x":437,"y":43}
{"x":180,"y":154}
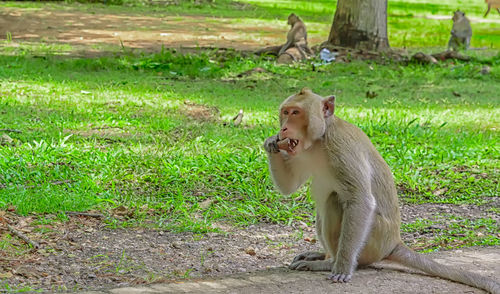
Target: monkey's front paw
{"x":339,"y":278}
{"x":301,"y":265}
{"x":271,"y":144}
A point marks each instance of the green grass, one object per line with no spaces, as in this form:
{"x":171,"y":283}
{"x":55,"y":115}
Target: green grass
{"x":152,"y":132}
{"x":120,"y":131}
{"x":460,"y":232}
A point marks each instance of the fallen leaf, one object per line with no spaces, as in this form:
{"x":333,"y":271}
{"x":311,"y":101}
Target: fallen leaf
{"x":6,"y":139}
{"x":6,"y":275}
{"x":485,"y":70}
{"x":440,"y":191}
{"x":22,"y":223}
{"x":122,"y":211}
{"x":206,"y":203}
{"x":250,"y":251}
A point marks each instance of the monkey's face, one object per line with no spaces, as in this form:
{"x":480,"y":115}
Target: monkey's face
{"x":293,"y":129}
{"x":458,"y":15}
{"x":303,"y":120}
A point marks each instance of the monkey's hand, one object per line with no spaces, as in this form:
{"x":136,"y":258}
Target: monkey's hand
{"x":271,"y":144}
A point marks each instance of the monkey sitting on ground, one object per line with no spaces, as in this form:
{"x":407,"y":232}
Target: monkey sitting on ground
{"x":357,"y":212}
{"x":461,"y":32}
{"x":492,"y":4}
{"x":291,"y":55}
{"x":296,"y":37}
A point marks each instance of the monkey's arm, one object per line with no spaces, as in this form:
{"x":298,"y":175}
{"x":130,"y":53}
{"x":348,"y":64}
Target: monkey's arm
{"x":287,"y":177}
{"x":358,"y":215}
{"x":290,"y":39}
{"x":356,"y":224}
{"x":285,"y":47}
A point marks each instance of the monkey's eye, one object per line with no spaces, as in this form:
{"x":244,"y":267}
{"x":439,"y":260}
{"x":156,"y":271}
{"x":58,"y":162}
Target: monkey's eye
{"x":285,"y":112}
{"x":295,"y":112}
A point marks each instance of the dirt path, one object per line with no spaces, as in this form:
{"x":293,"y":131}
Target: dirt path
{"x":97,"y":30}
{"x":82,"y":253}
{"x":385,"y":278}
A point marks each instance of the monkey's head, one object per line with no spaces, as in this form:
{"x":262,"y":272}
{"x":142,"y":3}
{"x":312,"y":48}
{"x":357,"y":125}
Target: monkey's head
{"x":292,"y":19}
{"x":458,"y":15}
{"x":303,"y":120}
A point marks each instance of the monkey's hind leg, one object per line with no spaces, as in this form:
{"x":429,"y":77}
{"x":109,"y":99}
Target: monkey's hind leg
{"x":310,"y":256}
{"x":308,"y":51}
{"x":312,"y":265}
{"x":302,"y":52}
{"x":488,"y":11}
{"x":312,"y":261}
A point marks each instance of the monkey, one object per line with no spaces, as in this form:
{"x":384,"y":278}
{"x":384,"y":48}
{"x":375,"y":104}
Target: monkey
{"x":492,"y":3}
{"x":357,"y":213}
{"x":291,"y":55}
{"x":296,"y":37}
{"x":461,"y":32}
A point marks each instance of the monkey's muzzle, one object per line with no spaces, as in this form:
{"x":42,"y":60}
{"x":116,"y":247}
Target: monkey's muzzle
{"x":288,"y":144}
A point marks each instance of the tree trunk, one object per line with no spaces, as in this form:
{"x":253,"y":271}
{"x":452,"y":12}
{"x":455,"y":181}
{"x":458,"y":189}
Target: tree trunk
{"x":360,"y":24}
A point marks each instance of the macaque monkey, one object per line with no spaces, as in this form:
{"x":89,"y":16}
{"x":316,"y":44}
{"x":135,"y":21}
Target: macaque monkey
{"x":296,"y":37}
{"x":492,"y":4}
{"x":357,"y":212}
{"x":291,"y":55}
{"x":461,"y":32}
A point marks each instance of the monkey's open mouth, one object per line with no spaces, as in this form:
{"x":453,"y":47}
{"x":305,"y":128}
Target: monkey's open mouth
{"x":288,"y":144}
{"x":293,"y":143}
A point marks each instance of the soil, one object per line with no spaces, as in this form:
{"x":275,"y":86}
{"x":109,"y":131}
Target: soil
{"x":83,"y":253}
{"x":84,"y":30}
{"x":382,"y":277}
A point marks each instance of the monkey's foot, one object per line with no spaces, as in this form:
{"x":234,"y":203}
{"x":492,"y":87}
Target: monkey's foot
{"x":309,"y":255}
{"x":311,"y":265}
{"x":339,"y":278}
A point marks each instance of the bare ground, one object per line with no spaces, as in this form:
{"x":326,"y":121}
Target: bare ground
{"x":91,"y":32}
{"x":383,"y":277}
{"x":83,"y":253}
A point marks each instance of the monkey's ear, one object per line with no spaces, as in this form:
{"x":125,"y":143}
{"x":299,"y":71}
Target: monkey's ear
{"x":329,"y":106}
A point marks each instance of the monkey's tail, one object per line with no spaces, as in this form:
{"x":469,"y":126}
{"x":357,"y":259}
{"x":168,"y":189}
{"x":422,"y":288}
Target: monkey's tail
{"x":408,"y":257}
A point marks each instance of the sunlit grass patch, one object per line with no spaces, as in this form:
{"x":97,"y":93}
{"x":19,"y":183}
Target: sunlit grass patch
{"x":111,"y":131}
{"x":458,"y":232}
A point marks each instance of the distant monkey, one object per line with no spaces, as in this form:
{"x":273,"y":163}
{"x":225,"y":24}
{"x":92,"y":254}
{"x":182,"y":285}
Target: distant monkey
{"x":296,"y":37}
{"x":492,"y":4}
{"x":357,"y":212}
{"x":461,"y":32}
